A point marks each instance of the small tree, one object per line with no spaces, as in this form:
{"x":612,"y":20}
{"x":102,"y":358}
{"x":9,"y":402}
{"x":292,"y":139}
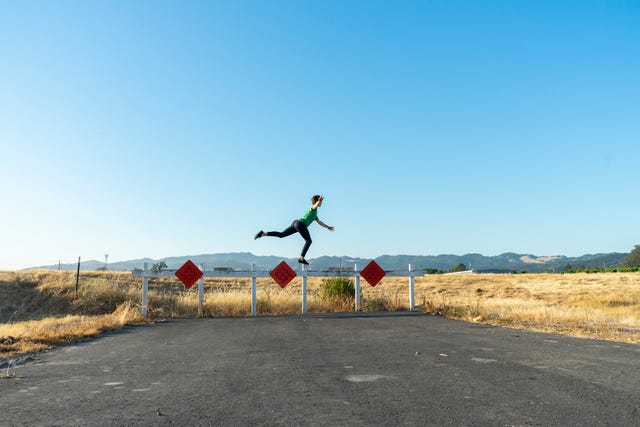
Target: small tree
{"x":158,"y":266}
{"x":633,"y":260}
{"x":459,"y":267}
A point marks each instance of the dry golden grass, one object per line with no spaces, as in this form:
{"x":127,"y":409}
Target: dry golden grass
{"x":603,"y":305}
{"x":34,"y":335}
{"x":39,"y":309}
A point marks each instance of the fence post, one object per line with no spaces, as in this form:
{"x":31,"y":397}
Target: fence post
{"x":412,"y":301}
{"x":253,"y":290}
{"x":201,"y":292}
{"x":78,"y":277}
{"x":357,"y":278}
{"x":145,"y":290}
{"x":304,"y":290}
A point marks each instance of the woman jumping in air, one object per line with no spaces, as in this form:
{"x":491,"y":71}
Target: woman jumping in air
{"x":301,"y":226}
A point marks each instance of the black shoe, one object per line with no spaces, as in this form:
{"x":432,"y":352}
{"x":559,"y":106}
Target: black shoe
{"x":258,"y":235}
{"x":303,"y":261}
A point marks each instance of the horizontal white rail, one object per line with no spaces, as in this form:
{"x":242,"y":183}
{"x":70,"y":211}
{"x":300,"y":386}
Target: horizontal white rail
{"x":248,"y":273}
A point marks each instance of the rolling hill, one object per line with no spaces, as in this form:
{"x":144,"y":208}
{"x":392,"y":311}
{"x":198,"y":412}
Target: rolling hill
{"x":507,"y":262}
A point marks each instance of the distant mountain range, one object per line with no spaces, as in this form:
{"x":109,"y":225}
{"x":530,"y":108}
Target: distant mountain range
{"x":507,"y":262}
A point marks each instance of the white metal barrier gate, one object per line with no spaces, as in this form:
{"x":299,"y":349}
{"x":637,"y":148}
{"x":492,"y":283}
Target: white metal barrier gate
{"x":145,"y":274}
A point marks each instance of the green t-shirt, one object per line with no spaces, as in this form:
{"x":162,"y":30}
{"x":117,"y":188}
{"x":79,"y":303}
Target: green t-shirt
{"x":309,"y":216}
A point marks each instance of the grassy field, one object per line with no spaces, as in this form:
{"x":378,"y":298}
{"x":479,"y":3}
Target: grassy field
{"x":40,"y":309}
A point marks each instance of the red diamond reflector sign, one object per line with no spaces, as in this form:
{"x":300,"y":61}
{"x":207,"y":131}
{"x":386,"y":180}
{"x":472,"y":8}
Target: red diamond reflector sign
{"x":189,"y":274}
{"x":373,"y":273}
{"x":282,"y":274}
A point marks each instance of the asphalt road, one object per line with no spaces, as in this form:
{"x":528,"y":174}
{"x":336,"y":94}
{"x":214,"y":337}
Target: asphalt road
{"x":393,"y":369}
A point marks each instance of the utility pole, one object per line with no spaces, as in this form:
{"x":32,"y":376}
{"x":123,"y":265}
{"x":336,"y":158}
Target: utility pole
{"x":106,"y":262}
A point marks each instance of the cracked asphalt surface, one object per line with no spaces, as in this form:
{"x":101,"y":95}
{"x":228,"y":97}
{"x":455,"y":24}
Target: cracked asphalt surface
{"x":335,"y":369}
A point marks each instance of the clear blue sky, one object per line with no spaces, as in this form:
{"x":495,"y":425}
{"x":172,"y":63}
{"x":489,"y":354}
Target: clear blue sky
{"x":163,"y":128}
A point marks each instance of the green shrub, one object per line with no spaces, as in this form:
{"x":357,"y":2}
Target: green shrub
{"x":342,"y":287}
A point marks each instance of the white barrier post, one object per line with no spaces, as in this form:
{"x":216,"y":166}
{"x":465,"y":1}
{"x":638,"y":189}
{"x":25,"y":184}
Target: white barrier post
{"x":201,"y":292}
{"x":412,"y":302}
{"x":304,"y":290}
{"x":357,"y":277}
{"x":145,"y":290}
{"x":254,"y":300}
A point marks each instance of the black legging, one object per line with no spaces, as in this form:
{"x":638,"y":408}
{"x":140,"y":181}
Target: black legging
{"x":295,"y":227}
